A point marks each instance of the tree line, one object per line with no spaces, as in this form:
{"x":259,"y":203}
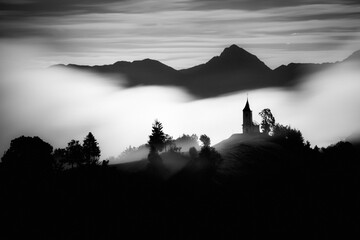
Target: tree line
{"x":34,"y":153}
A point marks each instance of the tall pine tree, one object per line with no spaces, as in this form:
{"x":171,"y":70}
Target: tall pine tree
{"x":91,"y":149}
{"x":157,"y":138}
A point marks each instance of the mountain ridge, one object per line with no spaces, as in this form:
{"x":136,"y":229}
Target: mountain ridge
{"x":235,"y":69}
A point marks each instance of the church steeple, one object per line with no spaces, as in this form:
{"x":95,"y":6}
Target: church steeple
{"x":248,"y":125}
{"x":247,"y":107}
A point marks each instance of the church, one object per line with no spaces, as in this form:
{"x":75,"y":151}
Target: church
{"x":249,"y":127}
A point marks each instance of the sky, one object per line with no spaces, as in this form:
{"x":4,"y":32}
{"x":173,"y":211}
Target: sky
{"x":182,"y":33}
{"x":60,"y":105}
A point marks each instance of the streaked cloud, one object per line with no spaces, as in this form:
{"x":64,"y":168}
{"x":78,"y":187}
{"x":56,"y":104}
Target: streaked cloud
{"x":183,"y":33}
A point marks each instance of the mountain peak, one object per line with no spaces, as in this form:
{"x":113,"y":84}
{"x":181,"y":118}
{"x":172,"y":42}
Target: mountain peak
{"x":235,"y":58}
{"x":234,"y":51}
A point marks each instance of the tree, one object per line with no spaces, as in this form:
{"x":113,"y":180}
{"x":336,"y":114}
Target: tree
{"x":74,"y":153}
{"x":288,"y":136}
{"x":207,"y":154}
{"x":128,"y":151}
{"x":205,"y":140}
{"x":29,"y":153}
{"x":157,"y":137}
{"x":59,"y":155}
{"x":91,"y":149}
{"x":169,"y":142}
{"x":268,"y":121}
{"x":193,"y":153}
{"x":186,"y":142}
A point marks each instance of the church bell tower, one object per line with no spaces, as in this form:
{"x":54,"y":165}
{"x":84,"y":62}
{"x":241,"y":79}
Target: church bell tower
{"x":247,"y":118}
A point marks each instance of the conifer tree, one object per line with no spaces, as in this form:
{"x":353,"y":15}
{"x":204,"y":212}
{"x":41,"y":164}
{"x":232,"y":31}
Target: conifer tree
{"x":157,"y":138}
{"x":91,"y":149}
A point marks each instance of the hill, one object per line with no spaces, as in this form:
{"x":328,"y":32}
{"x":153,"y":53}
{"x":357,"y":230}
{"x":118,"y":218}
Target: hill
{"x":246,"y":154}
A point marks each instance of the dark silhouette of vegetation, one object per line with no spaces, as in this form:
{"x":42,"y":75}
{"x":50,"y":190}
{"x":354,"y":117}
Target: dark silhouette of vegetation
{"x":254,"y":192}
{"x":187,"y":141}
{"x":91,"y":150}
{"x":205,"y":140}
{"x":288,"y":136}
{"x":157,"y":138}
{"x":29,"y":152}
{"x":209,"y":154}
{"x":60,"y":159}
{"x":193,"y":153}
{"x":267,"y":122}
{"x":74,"y":153}
{"x":169,"y":142}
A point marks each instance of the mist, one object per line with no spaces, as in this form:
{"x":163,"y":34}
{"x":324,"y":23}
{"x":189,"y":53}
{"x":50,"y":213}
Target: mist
{"x":61,"y":104}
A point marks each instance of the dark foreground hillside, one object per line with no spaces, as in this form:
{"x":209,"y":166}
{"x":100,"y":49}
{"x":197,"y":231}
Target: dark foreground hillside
{"x":262,"y":190}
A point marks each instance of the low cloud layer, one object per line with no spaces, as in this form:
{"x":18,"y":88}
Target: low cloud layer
{"x":60,"y":105}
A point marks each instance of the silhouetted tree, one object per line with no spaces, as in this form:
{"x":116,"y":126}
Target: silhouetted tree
{"x":29,"y":152}
{"x":187,"y":141}
{"x":193,"y":153}
{"x":169,"y":142}
{"x":268,"y":121}
{"x":289,"y":136}
{"x":105,"y":163}
{"x":154,"y":158}
{"x":157,"y":137}
{"x":59,"y":155}
{"x":74,"y":153}
{"x":208,"y":154}
{"x":91,"y":149}
{"x":316,"y":148}
{"x":205,"y":140}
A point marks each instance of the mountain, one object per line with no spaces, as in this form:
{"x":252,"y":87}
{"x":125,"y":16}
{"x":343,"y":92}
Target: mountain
{"x":291,"y":74}
{"x":232,"y":58}
{"x":143,"y":72}
{"x":233,"y":70}
{"x":353,"y":57}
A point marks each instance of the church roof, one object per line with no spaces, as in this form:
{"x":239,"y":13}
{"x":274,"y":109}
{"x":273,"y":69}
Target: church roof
{"x":247,"y":107}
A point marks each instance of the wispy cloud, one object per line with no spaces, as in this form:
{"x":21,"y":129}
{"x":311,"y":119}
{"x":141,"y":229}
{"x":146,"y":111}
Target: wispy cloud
{"x":183,"y":33}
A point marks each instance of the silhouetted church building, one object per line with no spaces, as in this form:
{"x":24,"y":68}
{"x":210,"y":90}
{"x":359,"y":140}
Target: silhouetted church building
{"x":248,"y":125}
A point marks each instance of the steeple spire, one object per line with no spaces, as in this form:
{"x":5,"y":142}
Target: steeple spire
{"x":247,"y":106}
{"x":249,"y":127}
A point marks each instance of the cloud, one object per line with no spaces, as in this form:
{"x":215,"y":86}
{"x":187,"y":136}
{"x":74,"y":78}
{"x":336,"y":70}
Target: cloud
{"x":255,"y":5}
{"x":183,"y":33}
{"x":51,"y":7}
{"x":60,"y":105}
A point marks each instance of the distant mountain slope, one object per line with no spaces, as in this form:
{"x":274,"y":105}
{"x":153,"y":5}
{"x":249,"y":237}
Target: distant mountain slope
{"x":290,"y":75}
{"x":144,"y":72}
{"x":233,"y":70}
{"x":353,"y":57}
